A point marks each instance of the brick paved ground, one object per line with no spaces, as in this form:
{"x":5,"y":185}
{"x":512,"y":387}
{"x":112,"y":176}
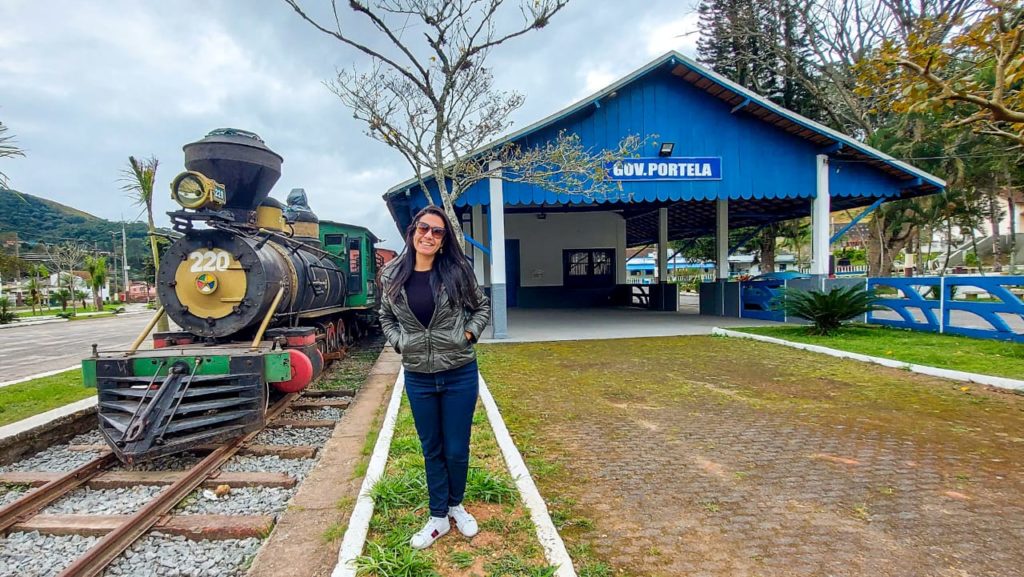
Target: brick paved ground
{"x":711,"y":457}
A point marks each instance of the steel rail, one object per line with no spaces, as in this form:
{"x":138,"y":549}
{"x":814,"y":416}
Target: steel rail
{"x":117,"y":541}
{"x":35,"y":501}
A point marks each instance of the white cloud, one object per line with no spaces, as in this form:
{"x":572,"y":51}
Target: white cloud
{"x":680,"y":35}
{"x":86,"y":84}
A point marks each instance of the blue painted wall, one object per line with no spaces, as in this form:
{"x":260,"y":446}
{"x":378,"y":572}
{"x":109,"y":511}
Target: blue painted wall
{"x":758,"y":159}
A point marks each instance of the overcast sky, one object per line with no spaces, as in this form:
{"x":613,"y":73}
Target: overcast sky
{"x":83,"y":85}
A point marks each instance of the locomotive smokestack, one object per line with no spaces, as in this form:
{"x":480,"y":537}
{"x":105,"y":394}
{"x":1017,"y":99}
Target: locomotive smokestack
{"x":240,"y":161}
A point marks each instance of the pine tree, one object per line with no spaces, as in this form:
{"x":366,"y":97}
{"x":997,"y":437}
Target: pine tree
{"x":759,"y":45}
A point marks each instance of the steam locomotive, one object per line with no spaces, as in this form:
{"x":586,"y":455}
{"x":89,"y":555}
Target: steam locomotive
{"x":265,"y":295}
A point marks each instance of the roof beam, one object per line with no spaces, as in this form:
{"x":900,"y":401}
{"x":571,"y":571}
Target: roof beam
{"x":740,"y":106}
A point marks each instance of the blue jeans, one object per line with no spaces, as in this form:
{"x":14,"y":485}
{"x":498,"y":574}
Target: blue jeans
{"x":442,"y":406}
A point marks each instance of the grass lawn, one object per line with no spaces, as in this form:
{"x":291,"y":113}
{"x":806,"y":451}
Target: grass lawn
{"x":30,"y":398}
{"x":506,"y":544}
{"x":989,"y":357}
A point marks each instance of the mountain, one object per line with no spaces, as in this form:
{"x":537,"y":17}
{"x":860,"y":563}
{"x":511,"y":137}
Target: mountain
{"x":38,"y":220}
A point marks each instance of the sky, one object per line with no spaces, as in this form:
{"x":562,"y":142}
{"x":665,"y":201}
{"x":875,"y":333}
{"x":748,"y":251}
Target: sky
{"x":84,"y":85}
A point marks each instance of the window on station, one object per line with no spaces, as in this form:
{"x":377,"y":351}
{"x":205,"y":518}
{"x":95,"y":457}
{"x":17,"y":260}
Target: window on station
{"x":592,"y":267}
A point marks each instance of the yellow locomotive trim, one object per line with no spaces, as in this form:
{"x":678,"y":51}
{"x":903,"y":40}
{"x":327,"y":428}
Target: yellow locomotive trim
{"x":307,"y":229}
{"x":270,"y":218}
{"x":210,"y":294}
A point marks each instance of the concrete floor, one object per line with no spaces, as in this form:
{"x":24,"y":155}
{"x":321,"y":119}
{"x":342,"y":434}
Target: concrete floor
{"x":530,"y":325}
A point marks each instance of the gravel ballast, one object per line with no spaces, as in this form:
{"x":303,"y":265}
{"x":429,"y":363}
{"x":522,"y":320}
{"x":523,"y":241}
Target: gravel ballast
{"x":35,"y":555}
{"x":241,"y":501}
{"x":297,"y":468}
{"x":93,"y":437}
{"x":316,"y":436}
{"x":160,"y":555}
{"x":179,"y":462}
{"x":321,"y":414}
{"x":86,"y":501}
{"x":10,"y":494}
{"x":57,"y":459}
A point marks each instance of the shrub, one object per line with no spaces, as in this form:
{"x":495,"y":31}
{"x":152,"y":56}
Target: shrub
{"x":6,"y":314}
{"x":827,"y":311}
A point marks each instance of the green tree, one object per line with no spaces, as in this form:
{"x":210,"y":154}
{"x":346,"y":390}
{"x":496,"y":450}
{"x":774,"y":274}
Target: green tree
{"x":969,"y":63}
{"x":97,"y":269}
{"x":7,"y":150}
{"x":761,"y":45}
{"x":139,"y":179}
{"x":63,"y":296}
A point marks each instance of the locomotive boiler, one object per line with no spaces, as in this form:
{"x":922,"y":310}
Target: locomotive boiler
{"x":264,"y":295}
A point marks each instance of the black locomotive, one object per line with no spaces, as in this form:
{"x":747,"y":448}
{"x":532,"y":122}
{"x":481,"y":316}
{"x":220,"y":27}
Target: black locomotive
{"x":264,"y":294}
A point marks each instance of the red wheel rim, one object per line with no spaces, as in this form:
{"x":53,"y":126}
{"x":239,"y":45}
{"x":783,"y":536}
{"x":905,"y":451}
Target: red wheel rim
{"x":302,"y":373}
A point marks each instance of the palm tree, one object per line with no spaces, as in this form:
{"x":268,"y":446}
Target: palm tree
{"x":7,"y":150}
{"x":796,"y":234}
{"x":139,"y":178}
{"x":97,"y":268}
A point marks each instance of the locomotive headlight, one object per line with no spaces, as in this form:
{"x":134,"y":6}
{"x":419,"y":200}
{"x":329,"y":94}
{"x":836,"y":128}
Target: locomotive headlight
{"x":194,"y":190}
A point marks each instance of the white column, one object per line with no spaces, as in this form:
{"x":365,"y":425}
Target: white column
{"x":821,"y":207}
{"x":496,"y":210}
{"x":663,"y":245}
{"x":480,"y":237}
{"x":722,"y":237}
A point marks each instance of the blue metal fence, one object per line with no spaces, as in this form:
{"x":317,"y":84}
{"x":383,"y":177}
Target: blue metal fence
{"x":999,"y":316}
{"x":918,"y":303}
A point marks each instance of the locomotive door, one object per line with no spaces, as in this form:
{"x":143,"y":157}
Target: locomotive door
{"x":355,"y":265}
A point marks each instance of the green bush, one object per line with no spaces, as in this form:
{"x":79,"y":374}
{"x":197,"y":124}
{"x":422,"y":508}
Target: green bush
{"x":827,"y":311}
{"x":6,"y":314}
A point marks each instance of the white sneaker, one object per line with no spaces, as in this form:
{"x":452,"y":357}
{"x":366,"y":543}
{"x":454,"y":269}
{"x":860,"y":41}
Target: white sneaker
{"x":463,"y":520}
{"x":435,"y":528}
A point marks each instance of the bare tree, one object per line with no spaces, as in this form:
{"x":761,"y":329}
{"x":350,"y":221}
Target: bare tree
{"x":7,"y":150}
{"x":67,"y":257}
{"x":429,"y":95}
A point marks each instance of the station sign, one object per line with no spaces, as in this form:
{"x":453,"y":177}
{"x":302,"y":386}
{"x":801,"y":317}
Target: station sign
{"x":661,"y":168}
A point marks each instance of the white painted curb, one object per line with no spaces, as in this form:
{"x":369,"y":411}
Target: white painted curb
{"x":359,"y":523}
{"x":989,"y":380}
{"x":554,"y":548}
{"x":39,"y":376}
{"x":34,"y":421}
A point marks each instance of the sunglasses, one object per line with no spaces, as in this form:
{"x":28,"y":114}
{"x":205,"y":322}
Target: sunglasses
{"x":436,"y":231}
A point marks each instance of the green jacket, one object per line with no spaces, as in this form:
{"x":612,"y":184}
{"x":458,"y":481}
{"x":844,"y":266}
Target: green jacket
{"x":441,"y":345}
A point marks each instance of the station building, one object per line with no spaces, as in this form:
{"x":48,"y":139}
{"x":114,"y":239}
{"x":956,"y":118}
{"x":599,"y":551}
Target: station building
{"x":718,"y":156}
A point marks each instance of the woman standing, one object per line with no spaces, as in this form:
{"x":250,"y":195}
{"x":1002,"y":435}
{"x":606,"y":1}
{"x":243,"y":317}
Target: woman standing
{"x":432,"y":311}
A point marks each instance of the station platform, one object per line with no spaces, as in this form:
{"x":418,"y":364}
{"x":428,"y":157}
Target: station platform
{"x":534,"y":325}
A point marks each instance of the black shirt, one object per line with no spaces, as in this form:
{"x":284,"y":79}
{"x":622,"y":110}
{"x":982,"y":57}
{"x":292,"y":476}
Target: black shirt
{"x":420,"y":295}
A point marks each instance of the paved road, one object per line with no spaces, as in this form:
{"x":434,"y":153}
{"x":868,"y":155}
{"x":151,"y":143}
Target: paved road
{"x":35,"y":349}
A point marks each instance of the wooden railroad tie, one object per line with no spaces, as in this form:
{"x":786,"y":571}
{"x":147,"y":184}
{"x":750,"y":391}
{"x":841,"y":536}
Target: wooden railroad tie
{"x":195,"y":527}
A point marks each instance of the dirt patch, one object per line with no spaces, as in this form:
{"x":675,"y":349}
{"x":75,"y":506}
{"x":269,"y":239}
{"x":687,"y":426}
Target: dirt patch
{"x":700,"y":455}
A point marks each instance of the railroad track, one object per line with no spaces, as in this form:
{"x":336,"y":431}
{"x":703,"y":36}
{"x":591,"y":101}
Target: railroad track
{"x":119,"y":532}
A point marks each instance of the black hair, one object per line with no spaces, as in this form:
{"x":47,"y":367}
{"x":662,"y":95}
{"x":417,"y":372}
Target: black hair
{"x":451,"y":268}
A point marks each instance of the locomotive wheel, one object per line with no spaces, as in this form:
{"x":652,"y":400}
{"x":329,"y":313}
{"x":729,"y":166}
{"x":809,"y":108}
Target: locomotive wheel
{"x":332,"y":338}
{"x":302,"y":373}
{"x":342,"y":334}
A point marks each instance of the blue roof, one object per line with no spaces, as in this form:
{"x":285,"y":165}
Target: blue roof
{"x":767,"y":151}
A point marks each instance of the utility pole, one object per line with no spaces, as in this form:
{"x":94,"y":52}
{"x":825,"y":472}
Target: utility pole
{"x":124,"y":260}
{"x":113,"y":260}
